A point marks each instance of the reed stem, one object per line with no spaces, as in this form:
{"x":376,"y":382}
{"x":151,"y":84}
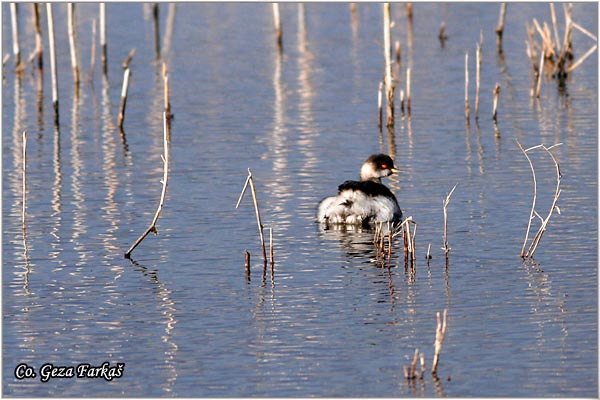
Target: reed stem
{"x":164,"y":181}
{"x":50,"y":17}
{"x":247,"y":264}
{"x":387,"y":48}
{"x":72,"y":42}
{"x":440,"y":334}
{"x":408,"y":90}
{"x":124,"y":90}
{"x":166,"y":101}
{"x":250,"y":180}
{"x":277,"y":23}
{"x":500,"y":27}
{"x":467,"y":108}
{"x":39,"y":48}
{"x":495,"y":102}
{"x":477,"y":78}
{"x":379,"y":106}
{"x":14,"y":19}
{"x":103,"y":43}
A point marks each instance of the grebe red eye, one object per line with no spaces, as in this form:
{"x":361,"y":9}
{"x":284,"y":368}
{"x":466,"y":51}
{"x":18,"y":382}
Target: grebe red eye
{"x":384,"y":166}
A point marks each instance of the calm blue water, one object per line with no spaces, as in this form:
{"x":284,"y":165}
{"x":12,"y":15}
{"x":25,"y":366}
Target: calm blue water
{"x":331,"y":321}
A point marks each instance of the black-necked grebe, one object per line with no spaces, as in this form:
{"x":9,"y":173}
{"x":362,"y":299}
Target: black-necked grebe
{"x":365,"y":201}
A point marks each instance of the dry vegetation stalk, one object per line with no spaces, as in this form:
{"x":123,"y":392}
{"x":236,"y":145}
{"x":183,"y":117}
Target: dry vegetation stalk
{"x":410,"y":372}
{"x":277,"y":24}
{"x":408,"y":91}
{"x":495,"y":102}
{"x":103,"y":44}
{"x":164,"y":182}
{"x":124,"y":90}
{"x":93,"y":51}
{"x":500,"y":27}
{"x":477,"y":78}
{"x":445,"y":203}
{"x":250,"y":180}
{"x":247,"y":264}
{"x":39,"y":48}
{"x":467,"y":107}
{"x":15,"y":33}
{"x":387,"y":48}
{"x":167,"y":103}
{"x":440,"y":333}
{"x":379,"y":105}
{"x":72,"y":42}
{"x":50,"y":17}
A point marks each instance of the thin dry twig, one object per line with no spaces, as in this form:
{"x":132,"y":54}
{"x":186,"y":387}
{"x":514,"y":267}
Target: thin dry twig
{"x":544,"y":221}
{"x":164,"y":182}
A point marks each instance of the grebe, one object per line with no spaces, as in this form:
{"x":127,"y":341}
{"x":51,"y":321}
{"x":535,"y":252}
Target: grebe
{"x":365,"y":201}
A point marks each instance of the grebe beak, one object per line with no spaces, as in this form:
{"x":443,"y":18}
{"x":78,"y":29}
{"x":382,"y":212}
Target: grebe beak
{"x":394,"y":170}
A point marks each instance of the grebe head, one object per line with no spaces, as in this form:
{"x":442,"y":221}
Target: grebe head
{"x":377,"y":166}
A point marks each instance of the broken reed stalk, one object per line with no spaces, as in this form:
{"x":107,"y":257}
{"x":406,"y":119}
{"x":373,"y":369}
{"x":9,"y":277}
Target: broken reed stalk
{"x":39,"y":48}
{"x":247,"y":264}
{"x":408,"y":91}
{"x":445,"y":204}
{"x":166,"y":101}
{"x":500,"y":27}
{"x":24,"y":178}
{"x":402,"y":101}
{"x":477,"y":78}
{"x":428,"y":256}
{"x":50,"y":17}
{"x":15,"y":33}
{"x":72,"y":42}
{"x":379,"y":106}
{"x":250,"y":180}
{"x":582,"y":59}
{"x":93,"y":50}
{"x":495,"y":102}
{"x":538,"y":86}
{"x":271,"y":251}
{"x":103,"y":44}
{"x":467,"y":108}
{"x":397,"y":51}
{"x":164,"y":181}
{"x":277,"y":24}
{"x":124,"y":89}
{"x":410,"y":372}
{"x":387,"y":48}
{"x":440,"y":333}
{"x":544,"y":221}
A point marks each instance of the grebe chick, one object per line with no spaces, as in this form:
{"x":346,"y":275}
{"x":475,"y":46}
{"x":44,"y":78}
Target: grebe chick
{"x":365,"y":201}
